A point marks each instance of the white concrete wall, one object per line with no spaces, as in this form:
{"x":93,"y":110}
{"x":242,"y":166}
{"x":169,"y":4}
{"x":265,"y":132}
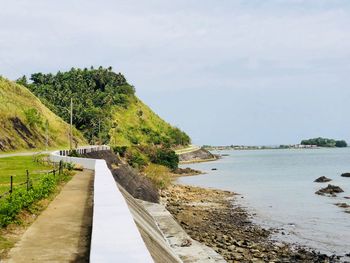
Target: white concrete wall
{"x":114,"y":237}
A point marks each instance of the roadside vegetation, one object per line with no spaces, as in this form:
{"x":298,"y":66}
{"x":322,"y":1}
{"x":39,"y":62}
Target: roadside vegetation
{"x":25,"y":195}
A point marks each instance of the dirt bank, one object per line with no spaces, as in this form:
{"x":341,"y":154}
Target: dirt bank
{"x":200,"y":155}
{"x":213,"y":218}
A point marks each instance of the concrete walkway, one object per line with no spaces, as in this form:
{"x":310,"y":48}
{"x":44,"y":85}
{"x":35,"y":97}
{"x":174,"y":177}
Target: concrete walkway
{"x":62,"y":232}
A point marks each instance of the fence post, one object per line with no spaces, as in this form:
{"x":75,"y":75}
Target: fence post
{"x":11,"y":184}
{"x":27,"y":180}
{"x":60,"y":168}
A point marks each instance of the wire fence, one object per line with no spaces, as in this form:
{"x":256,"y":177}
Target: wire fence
{"x":57,"y":169}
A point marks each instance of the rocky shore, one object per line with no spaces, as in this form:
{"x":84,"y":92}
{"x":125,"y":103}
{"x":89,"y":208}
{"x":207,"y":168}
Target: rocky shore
{"x":213,"y":218}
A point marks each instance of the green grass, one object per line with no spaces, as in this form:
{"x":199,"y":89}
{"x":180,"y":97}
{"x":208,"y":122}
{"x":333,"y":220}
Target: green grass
{"x":17,"y":166}
{"x":15,"y":102}
{"x":138,"y":124}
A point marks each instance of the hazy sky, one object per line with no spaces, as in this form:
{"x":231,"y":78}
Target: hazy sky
{"x":226,"y":72}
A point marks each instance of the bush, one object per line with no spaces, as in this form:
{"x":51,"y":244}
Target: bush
{"x":135,"y":158}
{"x":166,"y":157}
{"x":121,"y":150}
{"x":22,"y":199}
{"x":33,"y":117}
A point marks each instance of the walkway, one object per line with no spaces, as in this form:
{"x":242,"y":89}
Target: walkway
{"x":62,"y":232}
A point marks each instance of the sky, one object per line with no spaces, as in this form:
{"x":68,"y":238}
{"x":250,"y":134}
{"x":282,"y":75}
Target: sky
{"x":227,"y":72}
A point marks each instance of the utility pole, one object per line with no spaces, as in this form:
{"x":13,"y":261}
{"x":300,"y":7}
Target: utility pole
{"x":99,"y":130}
{"x":47,"y":134}
{"x":71,"y":125}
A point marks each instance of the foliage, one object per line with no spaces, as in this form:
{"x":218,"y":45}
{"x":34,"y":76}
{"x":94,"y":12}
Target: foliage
{"x":18,"y":106}
{"x":94,"y":92}
{"x":324,"y":142}
{"x":121,"y":150}
{"x":341,"y":144}
{"x":74,"y":153}
{"x":22,"y":199}
{"x":159,"y":175}
{"x":161,"y":155}
{"x":136,"y":158}
{"x":33,"y":117}
{"x":105,"y":107}
{"x":166,"y":157}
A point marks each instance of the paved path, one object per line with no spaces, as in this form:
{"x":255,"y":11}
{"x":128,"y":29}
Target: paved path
{"x":5,"y":155}
{"x":62,"y":232}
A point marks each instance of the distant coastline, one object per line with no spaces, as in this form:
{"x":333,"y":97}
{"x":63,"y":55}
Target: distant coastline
{"x":246,"y":147}
{"x":313,"y":143}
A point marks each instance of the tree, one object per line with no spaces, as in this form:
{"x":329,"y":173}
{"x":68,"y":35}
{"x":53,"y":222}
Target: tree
{"x":341,"y":144}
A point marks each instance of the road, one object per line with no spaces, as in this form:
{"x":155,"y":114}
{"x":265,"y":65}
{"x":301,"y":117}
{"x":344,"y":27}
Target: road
{"x":4,"y":155}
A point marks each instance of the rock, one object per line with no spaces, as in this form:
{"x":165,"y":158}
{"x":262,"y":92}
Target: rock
{"x":345,"y":175}
{"x":186,"y":243}
{"x":330,"y":190}
{"x":322,"y":179}
{"x":213,"y":169}
{"x":347,"y":197}
{"x":342,"y":205}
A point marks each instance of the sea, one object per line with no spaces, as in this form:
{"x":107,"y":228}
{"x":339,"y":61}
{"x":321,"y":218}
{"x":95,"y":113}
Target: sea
{"x":277,"y":187}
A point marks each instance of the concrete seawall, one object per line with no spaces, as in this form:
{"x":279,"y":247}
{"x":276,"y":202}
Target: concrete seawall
{"x":115,"y":236}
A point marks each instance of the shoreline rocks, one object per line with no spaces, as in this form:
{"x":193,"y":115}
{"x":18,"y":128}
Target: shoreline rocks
{"x":330,"y":190}
{"x":213,"y":218}
{"x":345,"y":175}
{"x":322,"y":179}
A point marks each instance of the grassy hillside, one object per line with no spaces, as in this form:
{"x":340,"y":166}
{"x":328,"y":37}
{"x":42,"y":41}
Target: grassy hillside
{"x":138,"y":124}
{"x":106,"y":108}
{"x":24,"y":121}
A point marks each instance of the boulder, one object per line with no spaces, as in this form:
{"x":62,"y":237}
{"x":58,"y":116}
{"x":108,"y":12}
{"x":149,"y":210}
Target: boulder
{"x":345,"y":175}
{"x":322,"y":179}
{"x":330,"y":190}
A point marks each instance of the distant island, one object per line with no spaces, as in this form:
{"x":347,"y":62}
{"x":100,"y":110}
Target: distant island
{"x":305,"y":144}
{"x":324,"y":142}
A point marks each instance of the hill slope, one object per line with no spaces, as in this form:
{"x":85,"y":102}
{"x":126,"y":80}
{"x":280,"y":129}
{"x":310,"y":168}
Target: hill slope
{"x":106,"y":107}
{"x":24,"y":121}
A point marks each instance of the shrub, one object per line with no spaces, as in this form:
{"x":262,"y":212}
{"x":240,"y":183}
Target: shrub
{"x":121,"y":150}
{"x":135,"y":158}
{"x":22,"y":199}
{"x":33,"y":117}
{"x":166,"y":157}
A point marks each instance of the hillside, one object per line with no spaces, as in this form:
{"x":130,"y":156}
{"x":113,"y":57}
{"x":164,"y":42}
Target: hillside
{"x":106,"y":107}
{"x":24,"y":121}
{"x":138,"y":124}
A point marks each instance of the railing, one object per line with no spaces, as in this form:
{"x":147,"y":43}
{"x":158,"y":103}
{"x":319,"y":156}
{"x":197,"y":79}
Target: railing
{"x":115,"y":236}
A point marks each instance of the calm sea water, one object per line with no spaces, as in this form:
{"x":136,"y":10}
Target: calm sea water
{"x":277,"y":185}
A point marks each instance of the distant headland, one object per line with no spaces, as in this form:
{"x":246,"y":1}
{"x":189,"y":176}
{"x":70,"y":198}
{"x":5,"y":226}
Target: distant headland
{"x":304,"y":144}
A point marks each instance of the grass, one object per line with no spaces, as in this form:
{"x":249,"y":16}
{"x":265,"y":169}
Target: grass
{"x":159,"y":175}
{"x":136,"y":123}
{"x":15,"y":101}
{"x":17,"y":166}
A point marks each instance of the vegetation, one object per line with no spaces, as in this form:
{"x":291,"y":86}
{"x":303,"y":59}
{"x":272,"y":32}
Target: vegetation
{"x":141,"y":156}
{"x":25,"y":121}
{"x":41,"y":186}
{"x":324,"y":142}
{"x":105,"y":107}
{"x":17,"y":166}
{"x":159,"y":175}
